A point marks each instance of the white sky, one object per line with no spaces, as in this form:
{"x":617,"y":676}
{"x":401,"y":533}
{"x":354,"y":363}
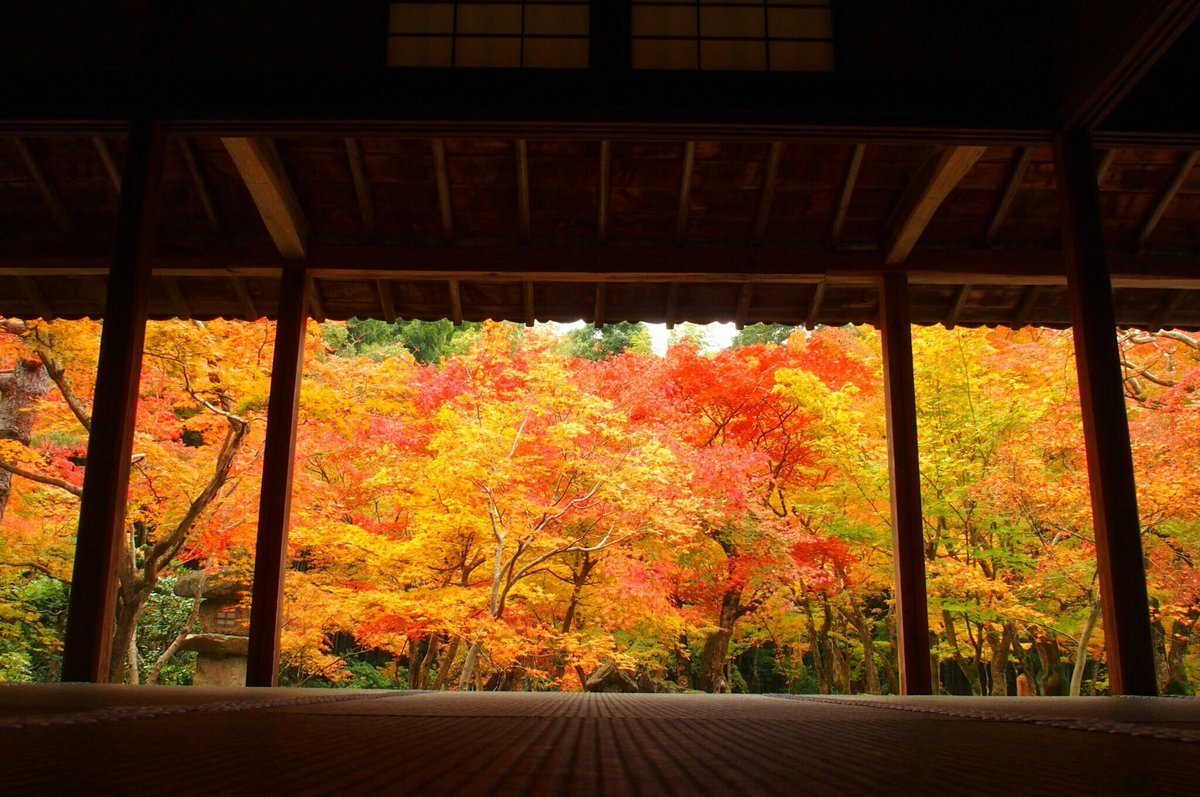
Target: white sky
{"x":719,"y":336}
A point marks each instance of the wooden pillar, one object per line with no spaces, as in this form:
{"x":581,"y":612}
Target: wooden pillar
{"x":1105,"y":426}
{"x":110,"y":444}
{"x":908,"y":540}
{"x":274,"y":508}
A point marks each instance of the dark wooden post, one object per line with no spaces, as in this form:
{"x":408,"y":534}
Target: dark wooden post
{"x":908,"y":539}
{"x":1105,"y":426}
{"x":274,"y":508}
{"x":110,"y":444}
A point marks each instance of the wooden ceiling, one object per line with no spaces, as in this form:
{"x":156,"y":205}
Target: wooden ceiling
{"x":566,"y":228}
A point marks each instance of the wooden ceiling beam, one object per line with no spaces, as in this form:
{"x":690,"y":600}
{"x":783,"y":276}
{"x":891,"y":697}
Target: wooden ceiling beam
{"x":178,"y":303}
{"x":685,"y":190}
{"x":1171,"y":303}
{"x":745,"y":296}
{"x":1015,"y":176}
{"x":814,"y":307}
{"x":605,"y":190}
{"x":34,"y":295}
{"x":1102,"y":166}
{"x":957,"y":306}
{"x":527,"y":303}
{"x":598,"y":311}
{"x":249,"y":311}
{"x":1025,"y":310}
{"x":844,"y":196}
{"x":441,"y":178}
{"x":1164,"y":200}
{"x":262,"y":171}
{"x":767,"y":196}
{"x":362,"y":187}
{"x":523,"y":223}
{"x":672,"y":312}
{"x":200,"y":183}
{"x":1103,"y":67}
{"x":108,"y":161}
{"x":456,"y":312}
{"x":385,"y":300}
{"x":49,"y":196}
{"x":932,"y":183}
{"x":316,"y":304}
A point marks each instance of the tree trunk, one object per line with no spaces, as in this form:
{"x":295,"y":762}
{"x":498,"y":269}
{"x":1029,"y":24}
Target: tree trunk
{"x":1000,"y":645}
{"x":969,"y":669}
{"x":468,"y":671}
{"x":1085,"y":636}
{"x":20,"y":392}
{"x":716,"y":645}
{"x":866,"y":636}
{"x":446,"y":665}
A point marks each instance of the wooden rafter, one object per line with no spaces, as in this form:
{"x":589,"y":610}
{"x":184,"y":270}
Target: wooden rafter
{"x":362,"y":186}
{"x":767,"y":195}
{"x":200,"y":183}
{"x":523,"y":189}
{"x":456,"y":312}
{"x":685,"y":190}
{"x":605,"y":190}
{"x":249,"y":311}
{"x":1029,"y":300}
{"x":108,"y":161}
{"x":814,"y":308}
{"x":598,"y":312}
{"x":262,"y":171}
{"x":844,"y":196}
{"x":385,"y":300}
{"x":672,"y":312}
{"x":956,"y":306}
{"x":1164,"y":199}
{"x":316,"y":304}
{"x":178,"y":303}
{"x":932,"y":183}
{"x":1015,"y":176}
{"x":34,"y":295}
{"x":442,"y":178}
{"x":527,"y":303}
{"x":1172,"y":302}
{"x":49,"y":196}
{"x":1102,"y":166}
{"x":745,"y":296}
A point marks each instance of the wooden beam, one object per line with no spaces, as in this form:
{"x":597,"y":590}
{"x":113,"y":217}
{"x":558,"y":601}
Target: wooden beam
{"x":316,"y":304}
{"x":1125,"y":41}
{"x":767,"y":195}
{"x":908,"y":537}
{"x":685,"y":190}
{"x":385,"y":300}
{"x":456,"y":313}
{"x":810,"y":319}
{"x":442,"y":178}
{"x":605,"y":190}
{"x":932,"y":183}
{"x":844,"y":196}
{"x":1020,"y":165}
{"x":956,"y":306}
{"x":171,"y":286}
{"x":249,"y":311}
{"x":1164,"y":200}
{"x":108,"y":161}
{"x":262,"y":171}
{"x":362,"y":186}
{"x":200,"y":183}
{"x":1105,"y":427}
{"x":34,"y":295}
{"x":672,"y":312}
{"x":49,"y":196}
{"x":1170,"y":304}
{"x":523,"y":190}
{"x":275,"y":497}
{"x":527,"y":302}
{"x":101,"y":533}
{"x":1106,"y":159}
{"x":1029,"y":301}
{"x":745,"y":296}
{"x":598,"y":311}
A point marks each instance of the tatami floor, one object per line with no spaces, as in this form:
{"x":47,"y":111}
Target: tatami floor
{"x":129,"y":740}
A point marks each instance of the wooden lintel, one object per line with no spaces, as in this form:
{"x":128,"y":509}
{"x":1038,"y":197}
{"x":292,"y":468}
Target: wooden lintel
{"x":456,"y":312}
{"x":49,"y":196}
{"x":523,"y":190}
{"x":932,"y":183}
{"x":814,"y":308}
{"x":200,"y":183}
{"x":605,"y":190}
{"x":745,"y":296}
{"x":844,"y":196}
{"x":1006,"y":197}
{"x":1164,"y":200}
{"x":685,"y":190}
{"x":386,"y":304}
{"x":178,"y":303}
{"x":442,"y":178}
{"x":956,"y":306}
{"x":262,"y":171}
{"x":672,"y":312}
{"x":316,"y":305}
{"x":598,"y":312}
{"x":1029,"y":300}
{"x":527,"y":303}
{"x":767,"y":195}
{"x":108,"y":161}
{"x":249,"y":311}
{"x":362,"y":186}
{"x":34,"y":295}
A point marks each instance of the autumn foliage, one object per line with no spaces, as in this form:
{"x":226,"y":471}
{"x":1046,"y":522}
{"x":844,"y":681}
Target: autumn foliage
{"x":501,"y":514}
